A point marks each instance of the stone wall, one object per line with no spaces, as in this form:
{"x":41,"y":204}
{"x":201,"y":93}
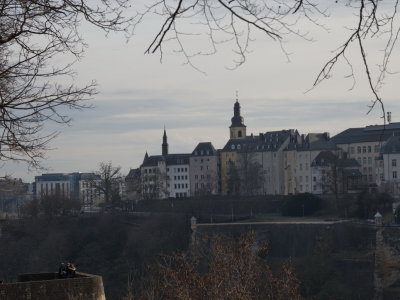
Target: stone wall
{"x":47,"y":286}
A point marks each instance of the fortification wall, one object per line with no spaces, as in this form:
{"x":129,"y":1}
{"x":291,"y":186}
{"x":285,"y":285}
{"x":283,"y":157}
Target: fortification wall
{"x":47,"y":286}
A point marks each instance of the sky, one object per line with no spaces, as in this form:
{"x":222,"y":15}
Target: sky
{"x":139,"y":95}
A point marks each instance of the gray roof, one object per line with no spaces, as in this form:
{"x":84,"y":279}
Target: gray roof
{"x":90,"y":176}
{"x":204,"y":149}
{"x":392,"y":145}
{"x":52,"y":177}
{"x":326,"y":158}
{"x":269,"y":141}
{"x":169,"y":159}
{"x":133,"y":173}
{"x":373,"y":133}
{"x":352,"y":173}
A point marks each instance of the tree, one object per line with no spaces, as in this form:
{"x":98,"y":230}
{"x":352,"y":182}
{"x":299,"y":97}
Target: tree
{"x":234,"y":22}
{"x":233,"y":179}
{"x":33,"y":35}
{"x":228,"y":269}
{"x":154,"y":185}
{"x":251,"y":173}
{"x":109,"y":182}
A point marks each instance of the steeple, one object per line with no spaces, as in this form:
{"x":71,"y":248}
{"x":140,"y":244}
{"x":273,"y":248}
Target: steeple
{"x":165,"y":144}
{"x":237,"y":128}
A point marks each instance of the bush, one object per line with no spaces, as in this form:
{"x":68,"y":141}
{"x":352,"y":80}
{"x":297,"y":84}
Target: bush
{"x":301,"y":205}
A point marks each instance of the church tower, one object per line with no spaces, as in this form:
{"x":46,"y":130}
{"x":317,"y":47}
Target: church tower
{"x":237,"y":128}
{"x":164,"y":144}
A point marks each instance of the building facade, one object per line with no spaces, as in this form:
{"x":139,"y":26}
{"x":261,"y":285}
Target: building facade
{"x":204,"y":170}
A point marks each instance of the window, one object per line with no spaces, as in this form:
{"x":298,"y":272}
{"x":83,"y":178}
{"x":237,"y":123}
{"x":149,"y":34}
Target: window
{"x":370,"y":160}
{"x":238,"y":147}
{"x":364,"y":160}
{"x":186,"y":185}
{"x":381,"y":176}
{"x":176,"y":195}
{"x":369,"y":169}
{"x":196,"y":176}
{"x":359,"y":160}
{"x":370,"y":178}
{"x":314,"y":179}
{"x":394,"y":174}
{"x":394,"y":162}
{"x":306,"y":165}
{"x":174,"y":177}
{"x":364,"y":149}
{"x":359,"y":149}
{"x":239,"y":133}
{"x":376,"y":148}
{"x":167,"y":169}
{"x":352,"y":150}
{"x":201,"y":168}
{"x":185,"y":169}
{"x":233,"y":147}
{"x":369,"y":149}
{"x":301,"y":167}
{"x":301,"y":178}
{"x":175,"y":186}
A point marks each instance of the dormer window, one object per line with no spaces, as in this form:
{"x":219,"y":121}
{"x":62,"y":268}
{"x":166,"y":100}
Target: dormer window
{"x":233,"y":147}
{"x":238,"y":147}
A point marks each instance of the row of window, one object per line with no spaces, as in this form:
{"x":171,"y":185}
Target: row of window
{"x":180,"y":195}
{"x":202,"y":176}
{"x":201,"y":152}
{"x":364,"y":149}
{"x":364,"y":160}
{"x":180,"y":186}
{"x":202,"y":160}
{"x":183,"y":177}
{"x":305,"y":167}
{"x":202,"y":185}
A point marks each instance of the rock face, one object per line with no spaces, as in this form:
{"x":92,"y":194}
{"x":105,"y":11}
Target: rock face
{"x":387,"y":263}
{"x":47,"y":286}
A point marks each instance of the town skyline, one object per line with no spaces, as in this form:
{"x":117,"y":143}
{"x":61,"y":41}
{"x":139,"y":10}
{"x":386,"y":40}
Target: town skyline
{"x":138,"y":96}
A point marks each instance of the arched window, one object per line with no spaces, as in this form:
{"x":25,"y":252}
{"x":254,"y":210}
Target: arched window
{"x":233,"y":147}
{"x":238,"y":147}
{"x":239,"y":133}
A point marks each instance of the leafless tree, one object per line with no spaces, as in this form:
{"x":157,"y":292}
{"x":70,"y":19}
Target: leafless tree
{"x":34,"y":86}
{"x":109,"y":183}
{"x":154,"y":185}
{"x":235,"y":21}
{"x":225,"y":269}
{"x":251,"y":173}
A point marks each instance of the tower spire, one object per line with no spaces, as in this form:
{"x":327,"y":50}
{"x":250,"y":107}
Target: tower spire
{"x":237,"y":128}
{"x":164,"y":146}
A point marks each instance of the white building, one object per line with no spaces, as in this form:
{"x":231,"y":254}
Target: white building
{"x":390,"y":173}
{"x":90,"y":196}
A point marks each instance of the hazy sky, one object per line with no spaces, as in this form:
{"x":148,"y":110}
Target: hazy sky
{"x":138,"y":95}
